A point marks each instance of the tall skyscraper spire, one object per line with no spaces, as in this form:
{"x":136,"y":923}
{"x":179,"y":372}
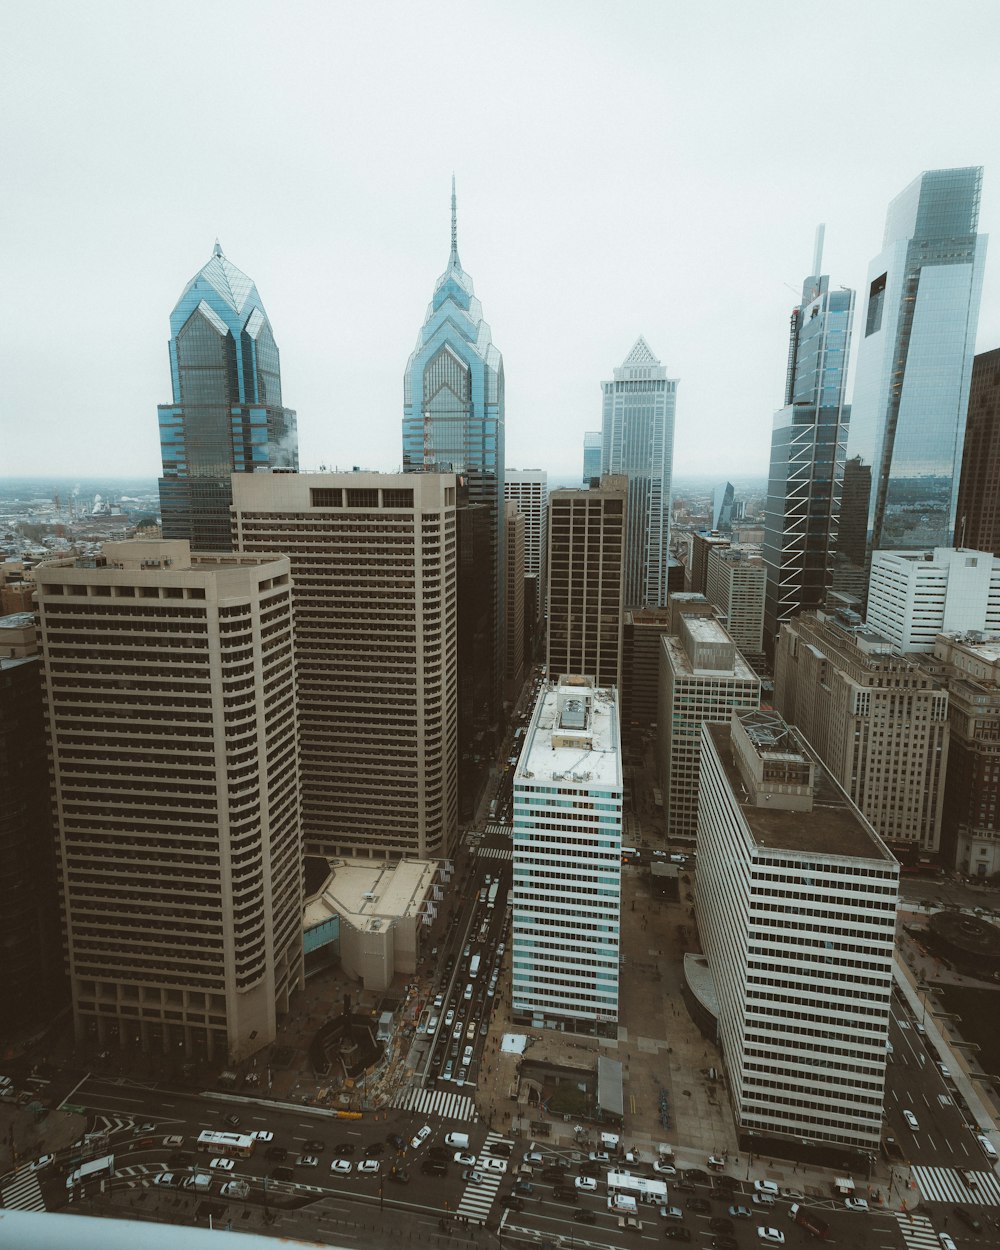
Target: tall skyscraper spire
{"x":453,"y":258}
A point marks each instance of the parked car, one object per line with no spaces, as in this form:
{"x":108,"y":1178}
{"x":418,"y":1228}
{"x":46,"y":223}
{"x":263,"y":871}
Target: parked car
{"x":223,"y":1165}
{"x":368,"y":1167}
{"x":315,"y":1146}
{"x":740,"y":1212}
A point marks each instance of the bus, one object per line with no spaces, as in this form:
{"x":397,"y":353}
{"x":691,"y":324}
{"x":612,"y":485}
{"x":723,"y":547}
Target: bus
{"x":232,"y":1145}
{"x":493,"y":894}
{"x":474,"y":965}
{"x":89,"y":1171}
{"x":637,"y":1186}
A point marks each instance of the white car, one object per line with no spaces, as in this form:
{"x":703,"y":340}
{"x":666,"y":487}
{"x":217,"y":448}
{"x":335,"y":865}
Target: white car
{"x":474,"y":1178}
{"x":166,"y":1179}
{"x":467,"y":1161}
{"x":856,"y":1204}
{"x":946,"y":1242}
{"x":308,"y":1161}
{"x":585,"y":1182}
{"x":911,"y":1120}
{"x":671,"y":1213}
{"x":42,"y":1161}
{"x":457,"y":1034}
{"x":664,"y":1169}
{"x":599,"y":1156}
{"x":418,"y":1140}
{"x":766,"y":1187}
{"x":773,"y":1236}
{"x":223,"y":1165}
{"x":262,"y":1134}
{"x":496,"y":1165}
{"x":432,"y":1024}
{"x":341,"y":1167}
{"x":368,"y":1167}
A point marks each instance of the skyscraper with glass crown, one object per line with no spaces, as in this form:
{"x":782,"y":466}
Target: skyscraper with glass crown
{"x":226,"y":416}
{"x":453,"y":421}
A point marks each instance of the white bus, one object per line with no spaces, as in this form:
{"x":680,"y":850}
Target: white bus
{"x":89,"y":1171}
{"x":638,"y":1186}
{"x":232,"y":1145}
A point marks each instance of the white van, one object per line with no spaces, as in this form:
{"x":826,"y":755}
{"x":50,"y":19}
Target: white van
{"x":609,"y":1141}
{"x":986,"y":1146}
{"x":622,"y":1204}
{"x":459,"y":1140}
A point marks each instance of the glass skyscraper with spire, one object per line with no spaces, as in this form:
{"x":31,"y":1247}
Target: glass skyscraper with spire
{"x":226,"y":416}
{"x":453,"y":421}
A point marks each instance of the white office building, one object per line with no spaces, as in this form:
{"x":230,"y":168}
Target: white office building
{"x":796,"y":906}
{"x":567,"y":861}
{"x":529,"y":489}
{"x":915,"y":595}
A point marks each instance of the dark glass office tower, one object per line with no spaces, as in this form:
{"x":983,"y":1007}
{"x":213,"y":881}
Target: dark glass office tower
{"x":807,"y":454}
{"x":453,"y":421}
{"x":226,"y":416}
{"x":914,"y":367}
{"x":978,"y":522}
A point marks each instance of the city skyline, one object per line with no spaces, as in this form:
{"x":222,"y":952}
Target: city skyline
{"x":574,"y":267}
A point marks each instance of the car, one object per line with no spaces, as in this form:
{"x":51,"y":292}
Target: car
{"x":969,"y":1220}
{"x":501,"y":1148}
{"x":234,"y":1189}
{"x":432,"y":1024}
{"x":396,"y":1140}
{"x":671,"y":1213}
{"x":278,"y":1154}
{"x":589,"y":1169}
{"x":564,"y":1193}
{"x":716,"y":1163}
{"x":721,"y":1225}
{"x":314,"y":1146}
{"x":460,"y":1075}
{"x":515,"y":1204}
{"x":677,"y":1233}
{"x":232,"y":1120}
{"x":946,"y":1242}
{"x":442,"y":1153}
{"x":773,"y":1236}
{"x":494,"y":1165}
{"x":42,"y":1161}
{"x":166,"y":1179}
{"x":856,"y":1204}
{"x":726,"y":1243}
{"x":554,"y":1172}
{"x":180,"y":1158}
{"x":341,"y":1167}
{"x":472,"y":1177}
{"x":765,"y":1187}
{"x":945,"y":1072}
{"x":793,"y":1195}
{"x":664,"y":1169}
{"x":599,"y":1156}
{"x":373,"y":1149}
{"x":399,"y":1175}
{"x":262,"y":1134}
{"x":438,"y":1002}
{"x":173,"y":1140}
{"x":449,"y":1067}
{"x":307,"y":1161}
{"x":457,"y":1033}
{"x":696,"y":1176}
{"x":222,"y":1165}
{"x":344,"y":1148}
{"x":740,"y":1212}
{"x":434,"y":1167}
{"x":282,"y":1174}
{"x":449,"y":1018}
{"x":466,"y":1160}
{"x":585,"y":1182}
{"x":585,"y":1217}
{"x":420,"y":1137}
{"x":470,"y":1032}
{"x":700,"y":1205}
{"x":911,"y":1119}
{"x":368,"y":1167}
{"x":683,"y":1187}
{"x":524,"y":1188}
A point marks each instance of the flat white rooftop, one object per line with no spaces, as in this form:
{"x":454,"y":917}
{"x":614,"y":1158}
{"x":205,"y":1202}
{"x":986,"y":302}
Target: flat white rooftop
{"x":577,"y":745}
{"x":365,"y":892}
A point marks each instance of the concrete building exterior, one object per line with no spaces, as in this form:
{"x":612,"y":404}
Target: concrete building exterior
{"x":736,"y":583}
{"x":914,"y":596}
{"x":699,"y":545}
{"x":804,"y":979}
{"x":643,"y":629}
{"x":172,"y":721}
{"x":977,"y":523}
{"x":702,"y":678}
{"x":877,"y":720}
{"x":515,"y":595}
{"x":567,"y":861}
{"x":592,"y":441}
{"x":529,"y":489}
{"x":373,"y":570}
{"x":586,"y":581}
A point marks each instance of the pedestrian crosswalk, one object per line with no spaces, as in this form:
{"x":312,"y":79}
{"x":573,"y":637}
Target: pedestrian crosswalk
{"x":496,"y":852}
{"x":918,"y":1232}
{"x":440,"y":1102}
{"x":948,"y":1185}
{"x":477,"y":1200}
{"x":502,"y":831}
{"x":23,"y":1192}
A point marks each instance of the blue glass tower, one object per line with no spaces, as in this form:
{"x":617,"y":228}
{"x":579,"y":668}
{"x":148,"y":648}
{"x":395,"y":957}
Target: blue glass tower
{"x":453,"y":421}
{"x":914,"y":369}
{"x":226,"y":416}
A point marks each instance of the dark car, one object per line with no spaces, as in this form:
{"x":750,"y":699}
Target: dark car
{"x":232,"y":1119}
{"x":444,"y":1153}
{"x":399,"y":1175}
{"x":181,"y":1159}
{"x":315,"y":1146}
{"x":968,"y":1219}
{"x":725,"y":1184}
{"x":589,"y":1169}
{"x":585,"y":1217}
{"x":515,"y":1204}
{"x":282,"y":1174}
{"x":343,"y":1148}
{"x":682,"y":1187}
{"x":523,"y":1187}
{"x":278,"y":1154}
{"x":394,"y":1139}
{"x":374,"y":1149}
{"x":696,"y":1176}
{"x":553,"y":1174}
{"x":726,"y":1243}
{"x":434,"y":1167}
{"x":564,"y":1193}
{"x":699,"y":1204}
{"x":721,"y":1225}
{"x":677,"y":1234}
{"x":500,"y":1148}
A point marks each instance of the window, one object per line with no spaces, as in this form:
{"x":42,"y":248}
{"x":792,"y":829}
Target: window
{"x":326,"y":497}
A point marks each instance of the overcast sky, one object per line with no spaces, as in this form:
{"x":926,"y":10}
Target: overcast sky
{"x":623,"y":168}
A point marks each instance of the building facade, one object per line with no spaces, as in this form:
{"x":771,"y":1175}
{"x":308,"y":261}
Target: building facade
{"x":736,"y":585}
{"x":592,"y":443}
{"x":877,"y":719}
{"x":373,"y":562}
{"x":643,"y":629}
{"x":226,"y":416}
{"x":808,"y":449}
{"x":915,"y":358}
{"x":700,"y":545}
{"x":453,"y":418}
{"x":515,"y":597}
{"x":978,"y":519}
{"x":702,"y":678}
{"x":914,"y":596}
{"x":173,"y":734}
{"x":567,"y":839}
{"x":637,"y":440}
{"x":586,"y":581}
{"x":529,"y":489}
{"x":804,"y":980}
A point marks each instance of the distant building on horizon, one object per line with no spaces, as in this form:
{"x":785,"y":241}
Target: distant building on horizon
{"x":637,"y":434}
{"x":227,"y":415}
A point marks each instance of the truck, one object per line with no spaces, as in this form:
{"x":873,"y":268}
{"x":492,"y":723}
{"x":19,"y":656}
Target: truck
{"x":494,"y":888}
{"x":474,"y":966}
{"x":810,"y":1221}
{"x":104,"y":1166}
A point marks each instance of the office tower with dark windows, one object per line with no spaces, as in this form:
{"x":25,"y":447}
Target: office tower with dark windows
{"x":796,"y":907}
{"x":453,"y":420}
{"x":808,"y":442}
{"x":978,"y":522}
{"x":226,"y":416}
{"x":699,"y":547}
{"x":529,"y":489}
{"x":373,"y":560}
{"x":637,"y":440}
{"x":173,"y":738}
{"x":911,"y":394}
{"x":723,"y":504}
{"x":586,"y":580}
{"x":592,"y":443}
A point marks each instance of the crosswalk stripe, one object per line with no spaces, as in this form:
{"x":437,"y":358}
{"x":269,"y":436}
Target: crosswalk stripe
{"x":496,"y":852}
{"x":24,"y":1193}
{"x":918,"y":1232}
{"x":948,"y":1185}
{"x":497,"y":829}
{"x":477,"y":1200}
{"x":442,"y":1102}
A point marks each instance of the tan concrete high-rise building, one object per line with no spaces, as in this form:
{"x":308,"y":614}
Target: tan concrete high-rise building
{"x":170,"y":691}
{"x":586,"y":580}
{"x":373,"y":560}
{"x":515,"y":596}
{"x":736,"y":583}
{"x":877,"y":720}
